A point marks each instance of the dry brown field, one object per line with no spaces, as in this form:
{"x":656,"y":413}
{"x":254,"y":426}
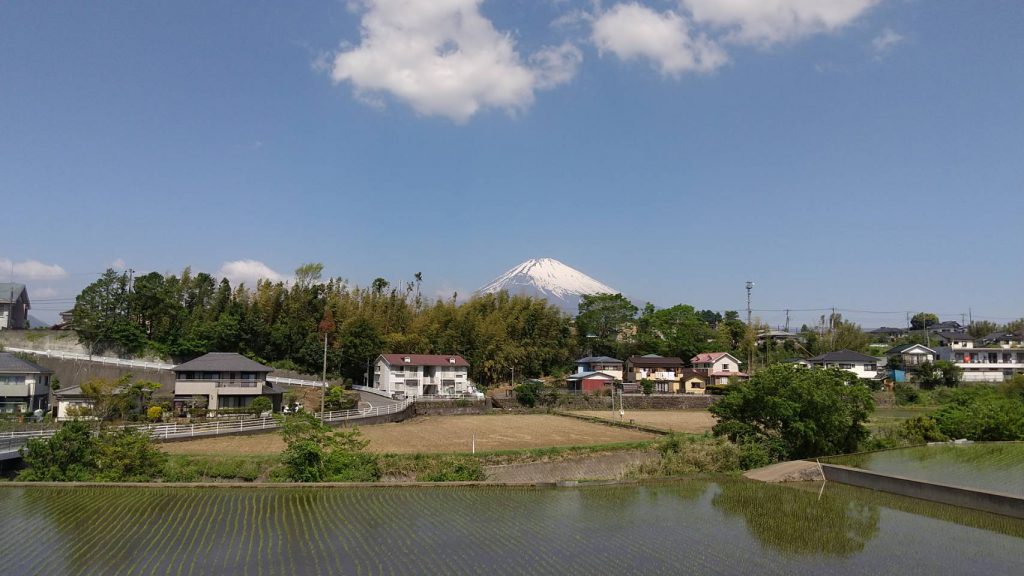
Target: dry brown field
{"x":692,"y":421}
{"x":441,"y":434}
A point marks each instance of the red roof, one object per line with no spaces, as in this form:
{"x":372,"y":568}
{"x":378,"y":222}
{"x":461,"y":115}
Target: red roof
{"x":708,"y":357}
{"x":425,"y":360}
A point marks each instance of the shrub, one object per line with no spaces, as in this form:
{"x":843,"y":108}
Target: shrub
{"x":682,"y":454}
{"x":128,"y":456}
{"x":981,"y":413}
{"x":647,"y":386}
{"x":528,"y":393}
{"x":154,"y":413}
{"x":315,"y":453}
{"x":261,"y":404}
{"x":921,"y":429}
{"x":67,"y":456}
{"x":906,"y":394}
{"x":452,"y":469}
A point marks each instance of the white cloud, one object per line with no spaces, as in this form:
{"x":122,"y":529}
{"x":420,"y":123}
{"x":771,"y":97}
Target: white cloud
{"x":885,"y":42}
{"x":248,"y":272}
{"x":119,"y":264}
{"x":43,"y":293}
{"x":444,"y":58}
{"x":766,"y":22}
{"x":632,"y":31}
{"x":31,"y":270}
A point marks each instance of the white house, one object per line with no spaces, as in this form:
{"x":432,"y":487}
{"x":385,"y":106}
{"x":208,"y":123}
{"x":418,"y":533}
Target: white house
{"x":414,"y":375}
{"x":862,"y":365}
{"x":24,"y":385}
{"x":995,"y":358}
{"x":718,"y":367}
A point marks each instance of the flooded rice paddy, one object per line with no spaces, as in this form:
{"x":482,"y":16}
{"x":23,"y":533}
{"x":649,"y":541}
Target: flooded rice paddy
{"x":722,"y":526}
{"x":995,"y":466}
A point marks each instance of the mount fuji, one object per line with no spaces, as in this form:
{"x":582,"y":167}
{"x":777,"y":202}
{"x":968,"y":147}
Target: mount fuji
{"x":548,"y":278}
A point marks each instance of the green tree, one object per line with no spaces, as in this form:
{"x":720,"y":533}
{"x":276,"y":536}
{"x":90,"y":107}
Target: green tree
{"x":68,"y":456}
{"x":101,"y":315}
{"x":923,"y":320}
{"x":940,"y":373}
{"x":796,"y":412}
{"x":601,"y":321}
{"x":647,"y":386}
{"x":528,"y":393}
{"x":315,"y":453}
{"x":128,"y":455}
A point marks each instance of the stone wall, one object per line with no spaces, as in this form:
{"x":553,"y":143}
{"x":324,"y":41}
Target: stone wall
{"x":640,"y":402}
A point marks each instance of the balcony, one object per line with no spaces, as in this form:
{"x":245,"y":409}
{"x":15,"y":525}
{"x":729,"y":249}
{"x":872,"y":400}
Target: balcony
{"x":14,"y":390}
{"x":207,"y":387}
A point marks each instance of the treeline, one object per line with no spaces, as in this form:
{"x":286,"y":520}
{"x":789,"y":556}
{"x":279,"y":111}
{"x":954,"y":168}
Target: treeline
{"x":284,"y":324}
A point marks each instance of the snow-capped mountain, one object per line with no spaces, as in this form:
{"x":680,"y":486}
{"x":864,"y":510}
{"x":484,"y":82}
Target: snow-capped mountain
{"x":549,"y":279}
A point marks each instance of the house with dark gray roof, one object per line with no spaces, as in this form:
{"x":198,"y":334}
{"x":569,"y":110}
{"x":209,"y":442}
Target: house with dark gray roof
{"x":14,"y":306}
{"x":862,"y":365}
{"x":222,"y":381}
{"x":24,"y":385}
{"x":605,"y":364}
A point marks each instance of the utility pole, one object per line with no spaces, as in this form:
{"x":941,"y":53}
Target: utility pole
{"x":787,"y":320}
{"x":323,"y":388}
{"x":832,"y":329}
{"x":750,"y":351}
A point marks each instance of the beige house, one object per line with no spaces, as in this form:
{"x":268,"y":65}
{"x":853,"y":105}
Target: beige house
{"x":222,"y":380}
{"x":24,"y":385}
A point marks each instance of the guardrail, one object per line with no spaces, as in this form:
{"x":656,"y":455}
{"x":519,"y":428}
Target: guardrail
{"x":128,"y":363}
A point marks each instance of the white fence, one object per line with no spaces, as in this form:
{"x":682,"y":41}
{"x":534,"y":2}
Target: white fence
{"x":126,"y":363}
{"x":10,"y":441}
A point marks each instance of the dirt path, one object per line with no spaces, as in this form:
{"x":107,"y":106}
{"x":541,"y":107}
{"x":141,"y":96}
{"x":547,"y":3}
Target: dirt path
{"x":598,"y":467}
{"x":794,"y":471}
{"x":692,"y":421}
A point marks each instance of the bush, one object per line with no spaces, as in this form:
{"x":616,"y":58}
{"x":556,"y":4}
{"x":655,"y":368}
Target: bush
{"x":315,"y":453}
{"x":906,"y":394}
{"x":528,"y":393}
{"x":67,"y":456}
{"x":682,"y":455}
{"x":261,"y":404}
{"x":452,"y":469}
{"x":981,"y":413}
{"x":154,"y":413}
{"x":128,"y":456}
{"x":920,"y":430}
{"x":647,"y":386}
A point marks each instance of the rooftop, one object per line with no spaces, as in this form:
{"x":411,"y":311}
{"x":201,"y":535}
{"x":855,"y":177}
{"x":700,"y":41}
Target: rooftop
{"x":11,"y":364}
{"x":222,"y":362}
{"x":843,"y":356}
{"x":425,"y":359}
{"x":604,"y":359}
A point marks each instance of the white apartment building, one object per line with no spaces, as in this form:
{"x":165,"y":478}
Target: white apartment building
{"x":413,"y":375}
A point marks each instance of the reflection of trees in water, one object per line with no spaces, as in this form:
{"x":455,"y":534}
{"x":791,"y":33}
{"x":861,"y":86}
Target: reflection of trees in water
{"x":795,"y":521}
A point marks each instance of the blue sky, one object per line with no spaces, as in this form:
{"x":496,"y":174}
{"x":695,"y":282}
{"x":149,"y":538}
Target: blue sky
{"x":863,"y":154}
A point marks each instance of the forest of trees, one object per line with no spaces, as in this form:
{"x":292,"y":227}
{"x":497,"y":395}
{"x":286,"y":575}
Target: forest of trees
{"x":283,"y":324}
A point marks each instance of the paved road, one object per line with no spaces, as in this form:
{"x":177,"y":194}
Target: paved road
{"x":374,"y":400}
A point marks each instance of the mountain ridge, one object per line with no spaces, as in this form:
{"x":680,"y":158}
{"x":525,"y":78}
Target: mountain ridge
{"x":558,"y":283}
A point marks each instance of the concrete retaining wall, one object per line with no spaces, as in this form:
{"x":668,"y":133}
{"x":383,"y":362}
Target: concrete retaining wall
{"x":993,"y":502}
{"x":641,"y":402}
{"x":452,"y":407}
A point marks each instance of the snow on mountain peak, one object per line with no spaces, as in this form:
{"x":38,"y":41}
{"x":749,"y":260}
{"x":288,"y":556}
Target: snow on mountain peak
{"x":549,"y":278}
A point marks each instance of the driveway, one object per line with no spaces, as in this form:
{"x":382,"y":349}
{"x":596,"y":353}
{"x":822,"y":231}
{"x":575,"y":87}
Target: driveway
{"x":366,"y":398}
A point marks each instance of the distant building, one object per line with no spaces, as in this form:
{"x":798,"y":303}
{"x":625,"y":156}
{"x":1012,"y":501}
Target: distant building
{"x":222,"y":380}
{"x":910,"y":355}
{"x":995,"y":358}
{"x":947,"y":327}
{"x":589,"y":382}
{"x":413,"y":375}
{"x":889,"y":334}
{"x":776,"y":336}
{"x":663,"y":371}
{"x":14,"y":306}
{"x":24,"y":385}
{"x":719,"y":368}
{"x":606,"y":364}
{"x":862,"y":365}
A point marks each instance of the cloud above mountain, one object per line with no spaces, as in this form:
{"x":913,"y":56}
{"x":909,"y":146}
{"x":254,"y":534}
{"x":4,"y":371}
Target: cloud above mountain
{"x":446,"y":58}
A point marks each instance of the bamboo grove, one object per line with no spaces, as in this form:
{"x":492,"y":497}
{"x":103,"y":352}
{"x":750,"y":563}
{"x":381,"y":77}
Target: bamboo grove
{"x":284,"y":324}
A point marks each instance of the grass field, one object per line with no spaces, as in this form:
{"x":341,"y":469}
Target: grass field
{"x":884,"y":417}
{"x":692,"y":421}
{"x":436,"y":434}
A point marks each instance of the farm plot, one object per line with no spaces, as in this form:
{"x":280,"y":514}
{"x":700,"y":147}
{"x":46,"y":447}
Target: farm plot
{"x":434,"y":434}
{"x":692,"y":421}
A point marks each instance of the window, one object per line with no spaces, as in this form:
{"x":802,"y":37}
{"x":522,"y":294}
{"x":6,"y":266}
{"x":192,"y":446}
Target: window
{"x":871,"y":367}
{"x":12,"y":380}
{"x":845,"y":366}
{"x":725,"y":367}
